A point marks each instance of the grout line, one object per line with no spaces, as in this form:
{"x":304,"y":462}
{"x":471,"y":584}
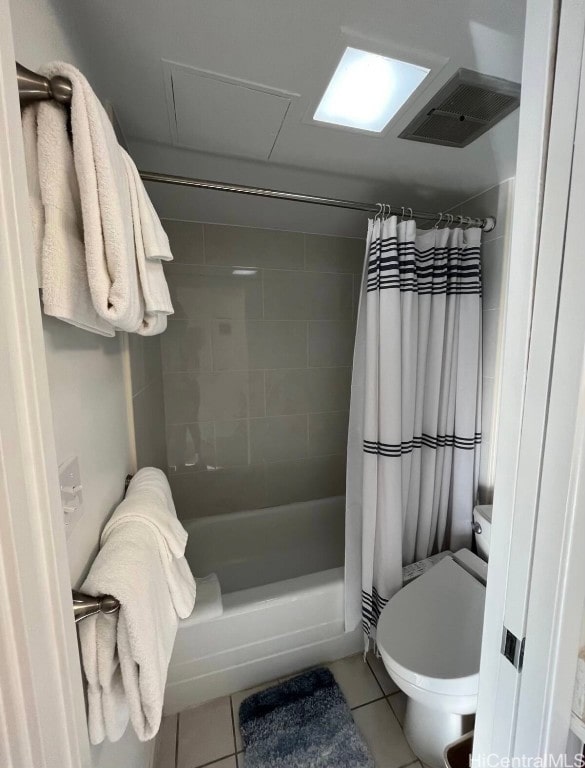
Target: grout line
{"x":252,"y":418}
{"x":375,"y":678}
{"x":176,"y":266}
{"x":213,"y":762}
{"x":270,"y":370}
{"x":366,"y":704}
{"x":233,"y":723}
{"x":263,"y":464}
{"x":272,"y":230}
{"x":272,"y":416}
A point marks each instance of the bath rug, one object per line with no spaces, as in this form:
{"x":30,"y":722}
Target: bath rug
{"x":302,"y":723}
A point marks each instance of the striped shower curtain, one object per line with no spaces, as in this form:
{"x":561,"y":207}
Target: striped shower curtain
{"x":414,"y":429}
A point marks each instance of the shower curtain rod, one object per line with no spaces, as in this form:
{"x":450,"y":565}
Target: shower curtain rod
{"x":34,"y":87}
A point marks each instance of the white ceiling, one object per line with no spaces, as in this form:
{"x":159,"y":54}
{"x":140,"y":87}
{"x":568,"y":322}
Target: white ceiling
{"x":292,"y":47}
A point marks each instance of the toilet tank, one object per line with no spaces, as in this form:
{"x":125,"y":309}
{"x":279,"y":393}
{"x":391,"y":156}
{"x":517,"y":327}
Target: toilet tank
{"x":482,"y":528}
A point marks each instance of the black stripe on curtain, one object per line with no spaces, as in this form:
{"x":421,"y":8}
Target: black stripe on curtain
{"x":429,"y":441}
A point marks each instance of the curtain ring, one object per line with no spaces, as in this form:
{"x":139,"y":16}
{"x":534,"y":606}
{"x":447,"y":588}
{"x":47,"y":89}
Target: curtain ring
{"x":378,"y":213}
{"x":439,"y":222}
{"x":411,"y":213}
{"x":402,"y":214}
{"x":451,"y":219}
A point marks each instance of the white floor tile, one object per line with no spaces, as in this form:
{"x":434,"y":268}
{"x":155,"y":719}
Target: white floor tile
{"x":384,"y":680}
{"x":237,"y":699}
{"x":398,"y":704}
{"x":356,"y":680}
{"x":383,"y":735}
{"x":166,"y":743}
{"x":205,"y":734}
{"x":240,"y":759}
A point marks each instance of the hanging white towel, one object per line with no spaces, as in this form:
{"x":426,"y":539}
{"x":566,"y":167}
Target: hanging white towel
{"x":56,"y":216}
{"x":105,"y":205}
{"x":153,"y":284}
{"x":156,"y":241}
{"x":149,"y":501}
{"x":126,"y":655}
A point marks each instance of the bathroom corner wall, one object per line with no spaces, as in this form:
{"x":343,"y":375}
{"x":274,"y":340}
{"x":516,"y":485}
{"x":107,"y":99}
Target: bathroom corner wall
{"x":147,"y":401}
{"x":257,"y":365}
{"x":86,"y":373}
{"x":496,"y":201}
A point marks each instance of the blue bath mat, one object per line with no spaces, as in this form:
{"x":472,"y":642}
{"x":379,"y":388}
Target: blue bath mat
{"x":302,"y":723}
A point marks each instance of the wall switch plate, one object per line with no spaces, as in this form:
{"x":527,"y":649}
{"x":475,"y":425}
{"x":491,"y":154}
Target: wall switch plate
{"x":71,"y":493}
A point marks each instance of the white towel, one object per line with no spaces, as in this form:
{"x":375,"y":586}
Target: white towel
{"x":156,"y":241}
{"x":153,"y":284}
{"x":105,"y":205}
{"x":126,"y":655}
{"x":149,"y":501}
{"x":56,"y":216}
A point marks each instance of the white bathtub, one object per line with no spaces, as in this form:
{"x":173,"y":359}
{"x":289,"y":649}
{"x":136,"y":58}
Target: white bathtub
{"x":281,"y":573}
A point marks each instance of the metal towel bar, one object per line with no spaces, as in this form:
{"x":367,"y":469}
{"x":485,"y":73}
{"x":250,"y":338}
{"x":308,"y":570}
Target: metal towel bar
{"x":86,"y":605}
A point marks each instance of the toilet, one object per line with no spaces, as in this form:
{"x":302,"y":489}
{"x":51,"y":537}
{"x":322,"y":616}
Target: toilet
{"x":429,"y":638}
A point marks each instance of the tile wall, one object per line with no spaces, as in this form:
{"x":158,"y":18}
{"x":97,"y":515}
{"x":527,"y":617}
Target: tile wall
{"x":147,"y":401}
{"x":257,"y":365}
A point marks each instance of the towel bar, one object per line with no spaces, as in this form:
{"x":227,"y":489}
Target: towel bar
{"x":87,"y":605}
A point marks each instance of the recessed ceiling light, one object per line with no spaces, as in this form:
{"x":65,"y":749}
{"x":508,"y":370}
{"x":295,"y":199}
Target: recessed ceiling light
{"x":367,"y":90}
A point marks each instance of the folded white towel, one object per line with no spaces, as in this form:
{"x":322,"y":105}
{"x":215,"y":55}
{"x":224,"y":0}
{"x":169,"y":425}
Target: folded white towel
{"x":208,"y":604}
{"x":105,"y":205}
{"x":155,"y":292}
{"x":57,"y":225}
{"x":126,"y":655}
{"x":156,"y":241}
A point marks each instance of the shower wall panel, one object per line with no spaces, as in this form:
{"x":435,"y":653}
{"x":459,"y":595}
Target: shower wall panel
{"x":257,"y":365}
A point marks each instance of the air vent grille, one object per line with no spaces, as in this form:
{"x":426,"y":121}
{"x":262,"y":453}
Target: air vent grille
{"x":467,"y":106}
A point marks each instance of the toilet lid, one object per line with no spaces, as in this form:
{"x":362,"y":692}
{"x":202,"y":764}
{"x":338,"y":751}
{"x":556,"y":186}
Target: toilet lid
{"x":431,"y":630}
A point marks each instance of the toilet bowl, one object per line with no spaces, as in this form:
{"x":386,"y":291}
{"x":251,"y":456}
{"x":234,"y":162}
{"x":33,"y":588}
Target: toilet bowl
{"x":429,"y":637}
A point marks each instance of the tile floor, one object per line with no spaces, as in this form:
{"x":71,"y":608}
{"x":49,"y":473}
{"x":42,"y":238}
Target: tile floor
{"x":209,"y":736}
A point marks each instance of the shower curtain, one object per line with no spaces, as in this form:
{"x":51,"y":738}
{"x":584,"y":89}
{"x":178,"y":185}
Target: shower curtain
{"x":414,"y":428}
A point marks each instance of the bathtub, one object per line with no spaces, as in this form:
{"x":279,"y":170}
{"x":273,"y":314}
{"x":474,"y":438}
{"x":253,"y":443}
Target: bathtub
{"x":281,"y":576}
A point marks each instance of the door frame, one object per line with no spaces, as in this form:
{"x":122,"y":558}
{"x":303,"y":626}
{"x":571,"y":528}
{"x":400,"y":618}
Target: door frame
{"x":535,"y":522}
{"x":42,"y":711}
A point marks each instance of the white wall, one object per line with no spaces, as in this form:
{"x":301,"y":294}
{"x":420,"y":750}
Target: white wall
{"x":86,"y":377}
{"x":496,"y":201}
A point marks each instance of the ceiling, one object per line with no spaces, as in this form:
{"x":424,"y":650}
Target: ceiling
{"x":287,"y":51}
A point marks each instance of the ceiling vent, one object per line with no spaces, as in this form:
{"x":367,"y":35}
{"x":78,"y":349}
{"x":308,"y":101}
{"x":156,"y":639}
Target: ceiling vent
{"x":468,"y":105}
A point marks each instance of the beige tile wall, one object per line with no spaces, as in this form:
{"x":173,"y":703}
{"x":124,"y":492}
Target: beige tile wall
{"x":257,"y":365}
{"x":147,"y":401}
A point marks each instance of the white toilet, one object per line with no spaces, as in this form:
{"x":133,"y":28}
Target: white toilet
{"x":429,"y":637}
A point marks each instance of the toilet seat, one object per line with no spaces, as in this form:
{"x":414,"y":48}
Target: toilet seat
{"x":429,"y":633}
